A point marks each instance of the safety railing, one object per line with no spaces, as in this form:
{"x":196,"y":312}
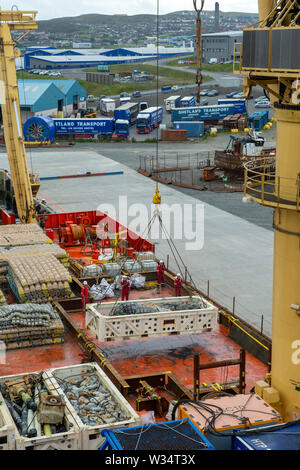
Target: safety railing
{"x":237,"y":57}
{"x":262,"y":184}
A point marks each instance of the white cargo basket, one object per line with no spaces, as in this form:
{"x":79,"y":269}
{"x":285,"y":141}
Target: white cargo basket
{"x":160,"y":323}
{"x":7,"y":428}
{"x":91,"y":438}
{"x":69,"y":440}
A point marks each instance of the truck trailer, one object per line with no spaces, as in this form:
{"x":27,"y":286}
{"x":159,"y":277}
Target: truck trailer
{"x":172,"y":102}
{"x":240,"y":105}
{"x":149,"y":119}
{"x":203,"y":113}
{"x":187,"y":102}
{"x":107,"y":106}
{"x":127,"y":112}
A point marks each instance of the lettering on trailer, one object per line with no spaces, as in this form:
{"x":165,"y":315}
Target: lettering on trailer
{"x":83,"y":126}
{"x":206,"y":111}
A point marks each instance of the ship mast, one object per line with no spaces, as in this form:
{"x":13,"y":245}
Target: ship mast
{"x":269,"y":57}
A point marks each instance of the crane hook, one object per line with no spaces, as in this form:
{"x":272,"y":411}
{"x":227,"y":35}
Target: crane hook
{"x":198,"y":46}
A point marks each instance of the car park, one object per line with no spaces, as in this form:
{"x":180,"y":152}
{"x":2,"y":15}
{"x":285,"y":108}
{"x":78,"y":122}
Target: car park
{"x":203,"y":92}
{"x":136,"y":94}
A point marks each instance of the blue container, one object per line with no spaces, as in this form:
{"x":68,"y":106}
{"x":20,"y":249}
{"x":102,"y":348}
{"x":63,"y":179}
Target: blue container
{"x":287,"y":438}
{"x":177,"y":435}
{"x":194,"y":128}
{"x":258,"y":119}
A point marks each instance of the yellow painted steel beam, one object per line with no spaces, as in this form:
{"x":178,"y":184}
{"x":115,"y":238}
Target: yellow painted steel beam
{"x":10,"y":105}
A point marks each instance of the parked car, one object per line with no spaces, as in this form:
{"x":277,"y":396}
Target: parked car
{"x":124,"y":94}
{"x":175,"y":88}
{"x":213,"y":93}
{"x":238,"y":96}
{"x":203,"y":102}
{"x":231,"y":95}
{"x":262,"y":104}
{"x":260,"y":98}
{"x":203,"y":92}
{"x":136,"y":94}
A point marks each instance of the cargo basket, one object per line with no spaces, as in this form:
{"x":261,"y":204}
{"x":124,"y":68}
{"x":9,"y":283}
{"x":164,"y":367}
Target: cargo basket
{"x":150,"y":318}
{"x":68,"y":440}
{"x":91,"y":438}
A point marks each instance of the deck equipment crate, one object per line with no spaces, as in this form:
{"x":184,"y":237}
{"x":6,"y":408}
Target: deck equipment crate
{"x":172,"y":435}
{"x":150,"y":318}
{"x":279,"y":438}
{"x":102,"y":408}
{"x":7,"y":428}
{"x":68,"y":439}
{"x":239,"y":412}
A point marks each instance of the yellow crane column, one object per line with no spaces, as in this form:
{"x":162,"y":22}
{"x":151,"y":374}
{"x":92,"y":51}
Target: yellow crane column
{"x":13,"y":133}
{"x":286,"y":284}
{"x":270,"y":59}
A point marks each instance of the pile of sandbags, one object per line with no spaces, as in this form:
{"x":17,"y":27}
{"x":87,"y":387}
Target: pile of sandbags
{"x":93,"y":270}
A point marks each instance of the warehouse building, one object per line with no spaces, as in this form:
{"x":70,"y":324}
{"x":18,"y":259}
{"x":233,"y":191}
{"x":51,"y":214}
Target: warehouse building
{"x":48,"y":58}
{"x":47,"y":98}
{"x":220,"y":45}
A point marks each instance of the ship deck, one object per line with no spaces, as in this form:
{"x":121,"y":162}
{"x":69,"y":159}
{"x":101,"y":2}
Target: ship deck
{"x":144,"y":356}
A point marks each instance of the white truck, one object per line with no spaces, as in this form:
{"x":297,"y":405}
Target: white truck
{"x":172,"y":102}
{"x":107,"y":106}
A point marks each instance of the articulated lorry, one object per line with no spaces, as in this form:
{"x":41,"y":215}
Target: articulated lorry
{"x":172,"y":102}
{"x":187,"y":102}
{"x":148,"y":119}
{"x":107,"y":106}
{"x":127,"y":112}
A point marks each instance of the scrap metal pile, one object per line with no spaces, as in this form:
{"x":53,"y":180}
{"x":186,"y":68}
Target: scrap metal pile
{"x":35,"y":412}
{"x":134,"y":308}
{"x":35,"y":267}
{"x":29,"y":325}
{"x":93,"y":403}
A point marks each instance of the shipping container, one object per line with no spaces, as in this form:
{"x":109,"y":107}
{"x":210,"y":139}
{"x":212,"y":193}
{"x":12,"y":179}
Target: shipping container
{"x":194,"y":128}
{"x":202,"y":113}
{"x":172,"y":102}
{"x":280,"y":438}
{"x":240,"y":106}
{"x":187,"y":102}
{"x":63,"y":379}
{"x":258,"y":119}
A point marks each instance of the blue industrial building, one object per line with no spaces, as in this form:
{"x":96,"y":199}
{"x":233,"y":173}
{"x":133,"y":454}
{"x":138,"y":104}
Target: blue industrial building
{"x":48,"y":58}
{"x":48,"y":97}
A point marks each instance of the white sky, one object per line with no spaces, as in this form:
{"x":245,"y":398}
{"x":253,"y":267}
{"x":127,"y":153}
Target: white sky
{"x":56,"y":8}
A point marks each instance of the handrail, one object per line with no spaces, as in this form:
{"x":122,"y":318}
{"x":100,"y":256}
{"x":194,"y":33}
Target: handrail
{"x":261,"y":182}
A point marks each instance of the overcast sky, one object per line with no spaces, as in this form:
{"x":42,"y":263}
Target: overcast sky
{"x":56,"y":8}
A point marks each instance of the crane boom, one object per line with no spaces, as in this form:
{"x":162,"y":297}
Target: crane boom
{"x":10,"y":104}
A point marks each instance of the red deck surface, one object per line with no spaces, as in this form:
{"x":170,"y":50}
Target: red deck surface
{"x":145,"y":356}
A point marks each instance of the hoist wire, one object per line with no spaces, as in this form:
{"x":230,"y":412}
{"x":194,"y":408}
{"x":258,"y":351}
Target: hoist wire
{"x":198,"y":46}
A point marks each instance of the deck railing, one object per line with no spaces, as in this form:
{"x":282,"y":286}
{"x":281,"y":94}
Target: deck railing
{"x":262,"y":184}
